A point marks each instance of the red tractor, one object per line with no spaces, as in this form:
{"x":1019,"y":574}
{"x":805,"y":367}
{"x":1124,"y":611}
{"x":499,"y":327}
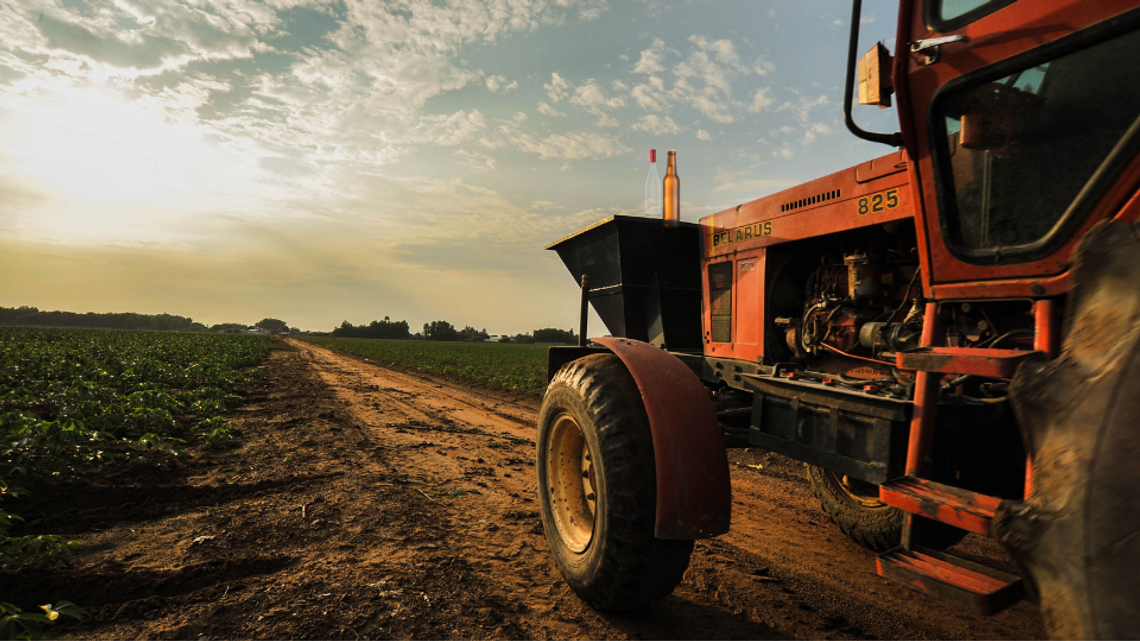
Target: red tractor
{"x":944,"y":335}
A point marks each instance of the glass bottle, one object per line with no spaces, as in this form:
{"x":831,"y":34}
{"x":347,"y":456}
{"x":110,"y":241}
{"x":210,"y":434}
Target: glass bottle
{"x":651,"y":182}
{"x":671,"y":200}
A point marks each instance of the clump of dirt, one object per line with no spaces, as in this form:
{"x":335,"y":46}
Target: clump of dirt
{"x":368,"y":503}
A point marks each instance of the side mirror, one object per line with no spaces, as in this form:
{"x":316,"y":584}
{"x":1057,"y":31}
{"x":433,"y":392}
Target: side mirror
{"x":875,"y":86}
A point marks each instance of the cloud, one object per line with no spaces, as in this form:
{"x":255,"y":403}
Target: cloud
{"x":573,"y":146}
{"x":651,"y":59}
{"x":651,"y":95}
{"x":566,"y":146}
{"x":447,"y":130}
{"x":654,"y":124}
{"x":556,"y":88}
{"x":545,"y":109}
{"x":815,"y":131}
{"x":358,"y":67}
{"x":607,"y":121}
{"x":495,"y":83}
{"x":803,"y":105}
{"x":703,"y":135}
{"x":763,"y":66}
{"x":761,"y":100}
{"x":475,"y":160}
{"x":702,"y":79}
{"x":591,"y":98}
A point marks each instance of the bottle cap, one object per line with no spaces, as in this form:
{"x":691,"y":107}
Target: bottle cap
{"x":652,"y":155}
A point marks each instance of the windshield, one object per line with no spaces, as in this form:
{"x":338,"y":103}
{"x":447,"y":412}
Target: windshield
{"x":1017,"y":151}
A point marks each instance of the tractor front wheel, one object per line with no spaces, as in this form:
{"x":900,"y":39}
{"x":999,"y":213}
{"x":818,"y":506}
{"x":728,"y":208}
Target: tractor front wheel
{"x":598,"y":488}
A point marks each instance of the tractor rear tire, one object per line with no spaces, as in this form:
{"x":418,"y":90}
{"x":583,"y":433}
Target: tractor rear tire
{"x":597,"y":488}
{"x":855,"y":507}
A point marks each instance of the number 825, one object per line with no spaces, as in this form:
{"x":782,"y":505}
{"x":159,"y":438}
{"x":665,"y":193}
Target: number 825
{"x":881,"y":201}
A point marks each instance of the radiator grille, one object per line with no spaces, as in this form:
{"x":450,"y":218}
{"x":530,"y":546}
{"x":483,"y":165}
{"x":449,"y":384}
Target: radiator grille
{"x":720,"y":301}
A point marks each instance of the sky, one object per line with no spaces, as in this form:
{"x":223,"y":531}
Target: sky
{"x":320,"y":161}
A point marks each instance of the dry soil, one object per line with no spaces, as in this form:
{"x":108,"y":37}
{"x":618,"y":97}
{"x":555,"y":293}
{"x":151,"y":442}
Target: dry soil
{"x":365,"y":502}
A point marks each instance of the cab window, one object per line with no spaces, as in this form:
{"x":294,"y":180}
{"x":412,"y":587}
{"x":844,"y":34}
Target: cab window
{"x":1015,"y":152}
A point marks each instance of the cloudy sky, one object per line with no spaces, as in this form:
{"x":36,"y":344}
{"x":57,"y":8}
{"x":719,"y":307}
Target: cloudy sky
{"x":320,"y":161}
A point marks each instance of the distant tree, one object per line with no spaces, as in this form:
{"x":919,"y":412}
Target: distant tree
{"x":31,"y":316}
{"x":473,"y":335}
{"x":440,"y":331}
{"x":386,"y":328}
{"x":522,"y":338}
{"x":553,"y":335}
{"x":273,"y":325}
{"x":504,"y":339}
{"x":229,"y":328}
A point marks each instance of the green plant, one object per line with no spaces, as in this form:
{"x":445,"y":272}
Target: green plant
{"x":17,"y":624}
{"x":43,"y":551}
{"x":496,"y":365}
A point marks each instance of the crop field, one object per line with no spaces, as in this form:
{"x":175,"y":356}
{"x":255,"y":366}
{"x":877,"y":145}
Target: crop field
{"x":71,"y":397}
{"x":496,"y":365}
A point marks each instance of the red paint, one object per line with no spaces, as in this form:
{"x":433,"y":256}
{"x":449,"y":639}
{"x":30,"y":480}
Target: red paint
{"x":1000,"y":363}
{"x":693,"y":492}
{"x":964,"y":509}
{"x":944,"y":576}
{"x":1046,"y":334}
{"x":1014,"y":29}
{"x":1047,"y":340}
{"x":925,"y":402}
{"x":809,"y":210}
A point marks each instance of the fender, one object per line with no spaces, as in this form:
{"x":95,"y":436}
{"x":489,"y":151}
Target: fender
{"x":694,"y":496}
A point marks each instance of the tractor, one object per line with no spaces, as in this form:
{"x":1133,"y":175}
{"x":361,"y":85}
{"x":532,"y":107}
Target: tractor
{"x":947,"y":336}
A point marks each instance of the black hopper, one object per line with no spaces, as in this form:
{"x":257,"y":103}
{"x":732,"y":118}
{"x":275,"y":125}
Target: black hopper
{"x":644,"y":277}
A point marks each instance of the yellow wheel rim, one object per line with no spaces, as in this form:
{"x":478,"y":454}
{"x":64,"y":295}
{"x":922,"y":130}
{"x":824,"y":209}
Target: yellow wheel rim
{"x":571,"y":483}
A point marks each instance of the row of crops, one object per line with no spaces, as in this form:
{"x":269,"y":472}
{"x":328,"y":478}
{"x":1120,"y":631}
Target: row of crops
{"x":70,"y":398}
{"x":496,"y":365}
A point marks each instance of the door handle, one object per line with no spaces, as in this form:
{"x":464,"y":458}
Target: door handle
{"x":931,"y":48}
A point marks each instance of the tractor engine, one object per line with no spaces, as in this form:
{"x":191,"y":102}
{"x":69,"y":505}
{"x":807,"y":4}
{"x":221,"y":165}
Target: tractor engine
{"x":856,"y":302}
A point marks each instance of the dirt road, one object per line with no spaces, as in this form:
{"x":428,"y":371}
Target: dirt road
{"x":370,"y":503}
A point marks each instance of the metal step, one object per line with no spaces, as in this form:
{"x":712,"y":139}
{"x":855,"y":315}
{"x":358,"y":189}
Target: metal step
{"x":968,"y":510}
{"x":970,"y":585}
{"x":964,"y":360}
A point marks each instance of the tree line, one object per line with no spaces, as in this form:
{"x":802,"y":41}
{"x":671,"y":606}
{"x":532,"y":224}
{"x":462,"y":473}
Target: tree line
{"x":442,"y":330}
{"x":34,"y":317}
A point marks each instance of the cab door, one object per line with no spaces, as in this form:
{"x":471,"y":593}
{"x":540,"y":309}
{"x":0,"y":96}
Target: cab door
{"x":1023,"y":117}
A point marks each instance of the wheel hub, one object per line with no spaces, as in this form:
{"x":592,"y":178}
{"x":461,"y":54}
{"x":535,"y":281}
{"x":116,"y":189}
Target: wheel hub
{"x":572,"y":484}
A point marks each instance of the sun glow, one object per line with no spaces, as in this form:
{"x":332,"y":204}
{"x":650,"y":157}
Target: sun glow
{"x":106,"y":169}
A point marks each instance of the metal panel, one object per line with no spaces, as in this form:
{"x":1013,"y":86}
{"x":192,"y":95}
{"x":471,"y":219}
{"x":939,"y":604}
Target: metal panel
{"x":848,"y":433}
{"x":964,"y":360}
{"x":694,"y":497}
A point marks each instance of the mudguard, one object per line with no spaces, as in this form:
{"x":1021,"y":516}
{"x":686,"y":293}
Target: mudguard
{"x":1078,"y":535}
{"x":694,"y":496}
